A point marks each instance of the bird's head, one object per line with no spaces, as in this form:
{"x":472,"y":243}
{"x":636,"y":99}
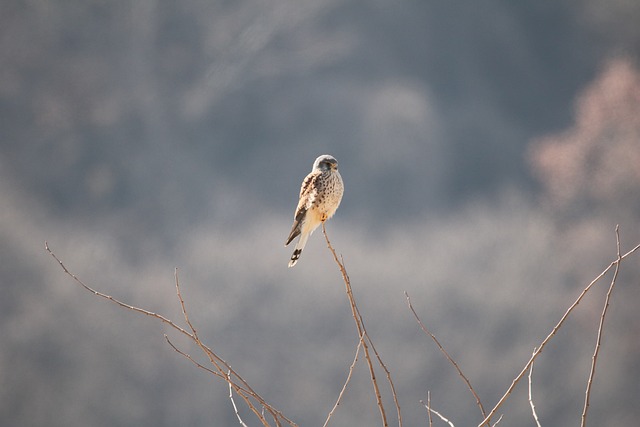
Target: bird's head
{"x":325,"y":163}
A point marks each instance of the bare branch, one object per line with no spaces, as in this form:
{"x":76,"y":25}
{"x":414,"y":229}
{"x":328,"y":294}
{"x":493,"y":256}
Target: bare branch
{"x":222,"y":369}
{"x":364,"y":337}
{"x":533,"y":407}
{"x":182,"y":306}
{"x":387,"y":373}
{"x":115,"y":301}
{"x":499,"y":419}
{"x":244,"y":390}
{"x":552,"y":333}
{"x":344,"y":387}
{"x":600,"y":329}
{"x":430,"y":409}
{"x":449,"y":358}
{"x":195,"y":362}
{"x":235,"y":408}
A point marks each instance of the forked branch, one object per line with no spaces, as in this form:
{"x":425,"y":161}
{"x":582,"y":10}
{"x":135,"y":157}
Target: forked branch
{"x":594,"y":359}
{"x":449,"y":358}
{"x":221,"y":369}
{"x":366,"y":340}
{"x":614,"y":264}
{"x":346,"y":383}
{"x":533,"y":407}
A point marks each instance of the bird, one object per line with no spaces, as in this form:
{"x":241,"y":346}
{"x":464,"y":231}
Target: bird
{"x":320,"y":195}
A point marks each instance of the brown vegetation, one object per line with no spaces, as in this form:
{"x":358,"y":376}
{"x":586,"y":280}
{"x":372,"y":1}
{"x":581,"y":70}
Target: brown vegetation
{"x":269,"y":415}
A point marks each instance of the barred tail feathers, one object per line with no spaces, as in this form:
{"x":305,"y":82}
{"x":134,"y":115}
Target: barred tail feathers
{"x":298,"y":249}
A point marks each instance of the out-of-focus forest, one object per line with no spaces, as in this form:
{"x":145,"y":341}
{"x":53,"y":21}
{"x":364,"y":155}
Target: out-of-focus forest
{"x":488,"y":150}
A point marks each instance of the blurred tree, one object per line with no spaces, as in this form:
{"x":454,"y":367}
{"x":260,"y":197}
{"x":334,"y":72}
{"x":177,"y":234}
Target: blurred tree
{"x":594,"y":167}
{"x":590,"y":178}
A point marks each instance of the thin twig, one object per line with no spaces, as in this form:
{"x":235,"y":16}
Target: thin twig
{"x":235,"y":408}
{"x":600,"y":329}
{"x":344,"y":387}
{"x":195,"y":362}
{"x":216,"y":361}
{"x":499,"y":419}
{"x":386,"y":371}
{"x":430,"y":409}
{"x":533,"y":407}
{"x":552,"y":333}
{"x":361,"y":332}
{"x":245,"y":391}
{"x":449,"y":358}
{"x":182,"y":306}
{"x":242,"y":389}
{"x":115,"y":301}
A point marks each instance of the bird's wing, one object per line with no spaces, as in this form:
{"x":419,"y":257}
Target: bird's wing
{"x":306,"y":183}
{"x":307,"y":196}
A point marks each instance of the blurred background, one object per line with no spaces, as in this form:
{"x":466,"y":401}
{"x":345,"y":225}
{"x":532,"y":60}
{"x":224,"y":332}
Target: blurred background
{"x":488,"y":150}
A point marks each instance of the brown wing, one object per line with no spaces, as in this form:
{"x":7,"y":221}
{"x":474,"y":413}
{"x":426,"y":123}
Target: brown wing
{"x":307,"y":195}
{"x":306,"y":184}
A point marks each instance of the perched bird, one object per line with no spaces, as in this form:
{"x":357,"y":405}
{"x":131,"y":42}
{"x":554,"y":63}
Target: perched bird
{"x":320,"y":196}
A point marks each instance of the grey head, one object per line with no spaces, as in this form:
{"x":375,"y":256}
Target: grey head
{"x":325,"y":163}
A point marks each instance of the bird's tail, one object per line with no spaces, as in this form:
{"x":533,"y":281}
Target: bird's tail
{"x":298,"y":250}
